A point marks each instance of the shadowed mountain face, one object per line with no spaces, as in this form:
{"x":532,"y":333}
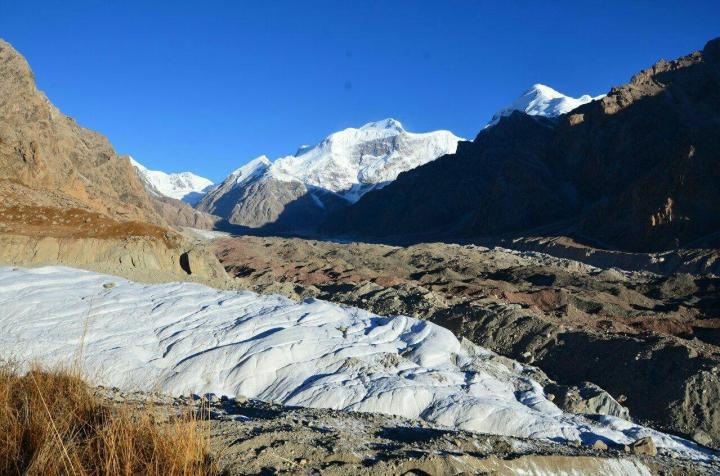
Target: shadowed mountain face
{"x":636,"y":170}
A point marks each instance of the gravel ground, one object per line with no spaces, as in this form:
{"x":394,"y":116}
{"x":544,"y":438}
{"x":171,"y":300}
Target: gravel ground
{"x":252,"y":437}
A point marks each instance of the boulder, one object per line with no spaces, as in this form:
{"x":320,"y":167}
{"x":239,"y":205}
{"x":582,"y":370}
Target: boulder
{"x":644,"y":446}
{"x":588,"y":399}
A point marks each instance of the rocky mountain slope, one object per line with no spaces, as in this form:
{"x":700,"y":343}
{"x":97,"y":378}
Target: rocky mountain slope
{"x":184,"y":186}
{"x":67,"y":197}
{"x":541,"y":100}
{"x":297,"y":192}
{"x":636,"y":170}
{"x":47,"y":153}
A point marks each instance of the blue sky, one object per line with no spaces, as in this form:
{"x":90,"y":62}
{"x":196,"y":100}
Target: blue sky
{"x":207,"y":86}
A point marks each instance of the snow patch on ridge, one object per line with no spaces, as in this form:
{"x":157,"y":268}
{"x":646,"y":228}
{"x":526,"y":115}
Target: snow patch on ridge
{"x":185,"y":337}
{"x":251,"y":170}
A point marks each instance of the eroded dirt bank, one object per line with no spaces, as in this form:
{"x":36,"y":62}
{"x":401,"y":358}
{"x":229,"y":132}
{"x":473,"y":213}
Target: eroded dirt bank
{"x":77,"y":237}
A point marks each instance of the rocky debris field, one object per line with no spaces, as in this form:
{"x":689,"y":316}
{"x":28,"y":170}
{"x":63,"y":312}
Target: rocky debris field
{"x":650,"y":341}
{"x":252,"y":437}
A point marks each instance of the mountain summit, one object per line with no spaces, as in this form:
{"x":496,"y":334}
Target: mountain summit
{"x":299,"y":190}
{"x":541,"y":100}
{"x":353,"y":161}
{"x":185,"y":186}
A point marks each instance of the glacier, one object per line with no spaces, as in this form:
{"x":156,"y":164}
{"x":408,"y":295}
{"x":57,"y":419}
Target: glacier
{"x":185,"y":338}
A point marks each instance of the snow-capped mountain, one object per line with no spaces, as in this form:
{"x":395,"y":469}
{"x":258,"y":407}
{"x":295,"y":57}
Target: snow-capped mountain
{"x":249,"y":171}
{"x":354,"y":161}
{"x":333,"y":173}
{"x":185,"y":186}
{"x":541,"y":100}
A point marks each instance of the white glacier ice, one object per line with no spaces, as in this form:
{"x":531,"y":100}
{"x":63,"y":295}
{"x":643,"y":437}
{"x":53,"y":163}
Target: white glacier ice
{"x":185,"y":337}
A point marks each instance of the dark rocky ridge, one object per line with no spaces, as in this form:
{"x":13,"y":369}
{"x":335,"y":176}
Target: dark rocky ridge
{"x":637,"y":170}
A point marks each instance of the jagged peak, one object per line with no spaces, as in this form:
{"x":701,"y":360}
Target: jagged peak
{"x":250,"y":169}
{"x":388,"y":123}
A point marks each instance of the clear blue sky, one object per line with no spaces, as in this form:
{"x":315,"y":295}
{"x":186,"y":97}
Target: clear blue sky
{"x":206,"y":86}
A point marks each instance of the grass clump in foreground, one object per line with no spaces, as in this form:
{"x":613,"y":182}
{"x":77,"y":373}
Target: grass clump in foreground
{"x":51,"y":423}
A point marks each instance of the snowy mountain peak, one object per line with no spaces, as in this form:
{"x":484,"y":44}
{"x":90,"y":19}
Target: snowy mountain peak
{"x":299,"y":190}
{"x":544,"y":90}
{"x":252,"y":169}
{"x":542,"y":100}
{"x":353,"y":161}
{"x":388,"y":123}
{"x":185,"y":186}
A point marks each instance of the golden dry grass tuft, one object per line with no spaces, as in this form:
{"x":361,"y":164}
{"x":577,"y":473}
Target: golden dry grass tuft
{"x":51,"y":423}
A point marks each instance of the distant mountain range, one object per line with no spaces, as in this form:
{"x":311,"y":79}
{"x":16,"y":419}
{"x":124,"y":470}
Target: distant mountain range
{"x":185,"y":186}
{"x":636,"y":169}
{"x":298,"y":192}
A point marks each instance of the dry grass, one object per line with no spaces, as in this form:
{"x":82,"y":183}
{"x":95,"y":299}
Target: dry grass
{"x":41,"y":221}
{"x":51,"y":423}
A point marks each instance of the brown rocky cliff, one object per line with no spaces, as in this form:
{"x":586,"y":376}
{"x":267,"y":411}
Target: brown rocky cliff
{"x":66,"y":196}
{"x":51,"y":155}
{"x":647,"y":157}
{"x":43,"y":149}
